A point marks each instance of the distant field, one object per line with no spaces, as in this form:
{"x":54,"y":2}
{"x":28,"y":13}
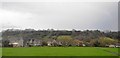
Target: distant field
{"x":59,"y":51}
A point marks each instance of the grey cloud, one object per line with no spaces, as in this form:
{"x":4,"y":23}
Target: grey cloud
{"x":67,"y":15}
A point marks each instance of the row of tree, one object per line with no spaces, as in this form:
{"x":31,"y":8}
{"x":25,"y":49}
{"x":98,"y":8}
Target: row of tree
{"x":65,"y":37}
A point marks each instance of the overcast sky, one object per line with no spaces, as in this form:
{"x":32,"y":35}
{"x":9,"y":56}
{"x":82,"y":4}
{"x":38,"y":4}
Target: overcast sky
{"x":59,"y":15}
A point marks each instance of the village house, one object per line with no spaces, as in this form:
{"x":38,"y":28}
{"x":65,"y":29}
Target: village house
{"x":52,"y":42}
{"x":112,"y":46}
{"x":35,"y":42}
{"x":117,"y":45}
{"x":16,"y":42}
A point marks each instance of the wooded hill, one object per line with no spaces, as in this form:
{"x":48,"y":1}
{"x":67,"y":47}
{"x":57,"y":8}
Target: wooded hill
{"x":87,"y":36}
{"x":39,"y":34}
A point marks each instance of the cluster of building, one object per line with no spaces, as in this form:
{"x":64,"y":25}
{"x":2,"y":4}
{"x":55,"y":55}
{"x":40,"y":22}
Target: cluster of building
{"x":21,"y":42}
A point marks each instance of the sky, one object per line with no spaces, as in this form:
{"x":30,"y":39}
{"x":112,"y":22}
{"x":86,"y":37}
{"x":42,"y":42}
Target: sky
{"x":57,"y":14}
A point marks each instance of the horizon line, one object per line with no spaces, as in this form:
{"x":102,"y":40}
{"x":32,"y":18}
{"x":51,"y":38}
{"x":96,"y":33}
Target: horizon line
{"x":59,"y":29}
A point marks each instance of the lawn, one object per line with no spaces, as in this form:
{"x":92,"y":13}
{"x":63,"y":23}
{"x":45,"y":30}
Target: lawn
{"x":111,"y":49}
{"x":58,"y":51}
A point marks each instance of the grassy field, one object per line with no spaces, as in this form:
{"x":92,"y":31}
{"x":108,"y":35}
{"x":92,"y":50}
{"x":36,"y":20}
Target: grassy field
{"x":59,"y":51}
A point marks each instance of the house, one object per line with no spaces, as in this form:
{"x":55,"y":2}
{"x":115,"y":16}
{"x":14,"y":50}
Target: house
{"x":52,"y":42}
{"x":21,"y":42}
{"x":49,"y":43}
{"x":37,"y":42}
{"x":83,"y":45}
{"x":16,"y":42}
{"x":112,"y":46}
{"x":32,"y":42}
{"x":117,"y":45}
{"x":59,"y":43}
{"x":13,"y":42}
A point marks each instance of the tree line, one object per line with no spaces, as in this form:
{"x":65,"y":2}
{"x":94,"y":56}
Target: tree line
{"x":65,"y":37}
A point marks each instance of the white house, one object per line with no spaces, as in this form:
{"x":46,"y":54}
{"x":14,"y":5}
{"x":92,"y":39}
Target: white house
{"x":112,"y":46}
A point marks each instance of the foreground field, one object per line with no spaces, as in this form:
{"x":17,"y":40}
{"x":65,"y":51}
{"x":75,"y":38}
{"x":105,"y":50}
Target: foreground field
{"x":60,"y":51}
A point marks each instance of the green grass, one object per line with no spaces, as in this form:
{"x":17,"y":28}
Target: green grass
{"x":111,"y":49}
{"x":58,"y":51}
